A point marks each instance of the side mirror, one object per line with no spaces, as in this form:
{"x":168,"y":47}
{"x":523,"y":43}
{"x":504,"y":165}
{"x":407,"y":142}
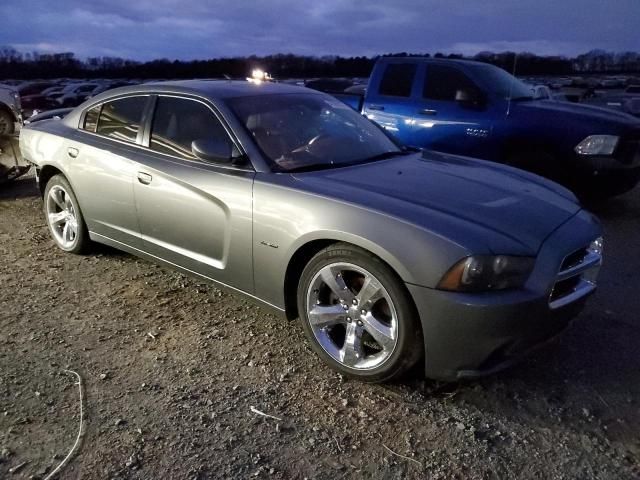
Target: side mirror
{"x":213,"y":150}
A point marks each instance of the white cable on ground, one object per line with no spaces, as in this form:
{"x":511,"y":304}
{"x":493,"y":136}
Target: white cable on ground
{"x":75,"y":445}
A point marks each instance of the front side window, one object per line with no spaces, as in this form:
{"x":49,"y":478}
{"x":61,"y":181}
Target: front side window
{"x":398,"y":79}
{"x":443,"y":82}
{"x":310,"y":131}
{"x":178,"y":122}
{"x":121,"y":119}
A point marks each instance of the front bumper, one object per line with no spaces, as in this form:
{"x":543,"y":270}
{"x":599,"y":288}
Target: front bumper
{"x":468,"y":335}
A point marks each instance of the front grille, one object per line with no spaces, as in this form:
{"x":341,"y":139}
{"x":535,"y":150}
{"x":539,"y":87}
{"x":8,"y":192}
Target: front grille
{"x":576,"y":277}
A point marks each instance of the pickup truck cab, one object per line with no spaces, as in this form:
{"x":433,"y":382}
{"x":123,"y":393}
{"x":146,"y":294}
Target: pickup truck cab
{"x":479,"y":110}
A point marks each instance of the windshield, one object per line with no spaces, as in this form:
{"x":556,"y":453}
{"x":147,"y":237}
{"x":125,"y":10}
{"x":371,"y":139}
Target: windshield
{"x":309,"y":131}
{"x":501,"y":83}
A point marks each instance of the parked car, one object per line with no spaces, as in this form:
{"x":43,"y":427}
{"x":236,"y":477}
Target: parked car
{"x":541,"y":92}
{"x":387,"y":255}
{"x":632,"y":90}
{"x":73,"y":94}
{"x":479,"y":110}
{"x":329,"y":85}
{"x":32,"y":98}
{"x":10,"y":109}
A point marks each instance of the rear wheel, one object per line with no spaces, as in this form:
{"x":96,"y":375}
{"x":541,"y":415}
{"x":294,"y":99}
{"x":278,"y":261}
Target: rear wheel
{"x":358,"y":315}
{"x":7,"y":125}
{"x":64,"y":217}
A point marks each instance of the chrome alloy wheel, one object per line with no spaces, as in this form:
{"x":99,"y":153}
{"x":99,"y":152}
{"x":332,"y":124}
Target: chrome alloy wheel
{"x":352,"y":316}
{"x":61,"y":215}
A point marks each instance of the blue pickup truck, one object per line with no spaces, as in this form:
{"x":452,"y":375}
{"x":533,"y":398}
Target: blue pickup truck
{"x":479,"y":110}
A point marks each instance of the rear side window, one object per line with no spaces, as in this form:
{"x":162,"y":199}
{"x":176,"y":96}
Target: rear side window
{"x":178,"y":122}
{"x":398,"y":79}
{"x":91,"y":119}
{"x":442,"y":83}
{"x":121,"y":119}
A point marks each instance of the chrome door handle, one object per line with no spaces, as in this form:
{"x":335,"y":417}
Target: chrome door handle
{"x":144,"y":178}
{"x":376,"y":107}
{"x":73,"y":152}
{"x":427,"y":111}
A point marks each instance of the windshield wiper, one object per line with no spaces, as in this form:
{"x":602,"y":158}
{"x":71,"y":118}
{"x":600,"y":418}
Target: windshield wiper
{"x":311,"y":166}
{"x":384,"y":156}
{"x":324,"y":166}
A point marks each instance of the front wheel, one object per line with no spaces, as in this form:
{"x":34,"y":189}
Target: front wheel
{"x":358,"y":315}
{"x":64,"y":217}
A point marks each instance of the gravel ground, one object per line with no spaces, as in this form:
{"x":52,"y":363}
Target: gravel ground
{"x":172,"y":369}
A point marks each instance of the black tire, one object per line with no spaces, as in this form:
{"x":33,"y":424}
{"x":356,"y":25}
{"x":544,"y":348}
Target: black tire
{"x":408,"y":348}
{"x":7,"y":123}
{"x":81,"y":241}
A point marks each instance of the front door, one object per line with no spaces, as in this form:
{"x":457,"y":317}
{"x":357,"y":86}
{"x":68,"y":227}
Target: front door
{"x":193,"y":213}
{"x":451,"y":114}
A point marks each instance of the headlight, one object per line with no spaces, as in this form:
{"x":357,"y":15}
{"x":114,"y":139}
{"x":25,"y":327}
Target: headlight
{"x":481,"y":273}
{"x":597,"y":145}
{"x":596,"y":246}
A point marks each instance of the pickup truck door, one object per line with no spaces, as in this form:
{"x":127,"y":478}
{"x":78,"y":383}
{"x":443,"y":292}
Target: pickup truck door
{"x":388,"y":100}
{"x":450,"y":113}
{"x":192,"y":213}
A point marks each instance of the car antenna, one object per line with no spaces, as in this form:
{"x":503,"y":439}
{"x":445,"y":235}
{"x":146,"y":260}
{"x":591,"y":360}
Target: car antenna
{"x":515,"y":62}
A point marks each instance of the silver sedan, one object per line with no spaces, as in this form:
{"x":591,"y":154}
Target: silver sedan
{"x":390,"y":257}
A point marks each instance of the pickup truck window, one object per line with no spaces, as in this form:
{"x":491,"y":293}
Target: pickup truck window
{"x":398,"y":79}
{"x":442,"y":83}
{"x":120,"y":119}
{"x":91,"y":119}
{"x":178,"y":122}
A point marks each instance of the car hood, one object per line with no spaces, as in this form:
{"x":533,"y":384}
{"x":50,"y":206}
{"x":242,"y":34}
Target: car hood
{"x":421,"y":188}
{"x":579,"y":111}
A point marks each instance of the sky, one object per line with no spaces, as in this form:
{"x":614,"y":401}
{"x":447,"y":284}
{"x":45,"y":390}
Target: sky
{"x":190,"y":29}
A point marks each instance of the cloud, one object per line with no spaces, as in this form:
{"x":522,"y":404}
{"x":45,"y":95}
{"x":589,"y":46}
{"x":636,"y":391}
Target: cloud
{"x":146,"y":29}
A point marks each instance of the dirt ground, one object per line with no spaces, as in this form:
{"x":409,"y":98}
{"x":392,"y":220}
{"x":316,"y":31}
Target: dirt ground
{"x":172,"y":368}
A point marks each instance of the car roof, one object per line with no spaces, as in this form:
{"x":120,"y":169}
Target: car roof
{"x":209,"y":88}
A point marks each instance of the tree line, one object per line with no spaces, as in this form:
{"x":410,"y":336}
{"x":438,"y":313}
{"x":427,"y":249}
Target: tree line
{"x":18,"y":65}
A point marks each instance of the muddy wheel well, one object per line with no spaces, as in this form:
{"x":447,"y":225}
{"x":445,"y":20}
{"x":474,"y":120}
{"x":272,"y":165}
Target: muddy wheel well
{"x":45,"y":174}
{"x":294,"y":270}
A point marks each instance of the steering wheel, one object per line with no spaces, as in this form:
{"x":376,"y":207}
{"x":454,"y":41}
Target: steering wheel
{"x":306,"y":146}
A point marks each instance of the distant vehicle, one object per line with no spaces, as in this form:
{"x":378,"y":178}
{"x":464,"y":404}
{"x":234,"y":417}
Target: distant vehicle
{"x":359,"y":89}
{"x":329,"y":85}
{"x":32,"y":96}
{"x":73,"y":94}
{"x":541,"y":92}
{"x":106,"y":86}
{"x":387,"y":255}
{"x":479,"y":110}
{"x":10,"y":109}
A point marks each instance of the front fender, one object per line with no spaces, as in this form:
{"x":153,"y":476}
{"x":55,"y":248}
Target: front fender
{"x":286,"y":219}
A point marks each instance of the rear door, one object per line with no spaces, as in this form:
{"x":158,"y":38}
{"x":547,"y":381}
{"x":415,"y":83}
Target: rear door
{"x":193,"y":213}
{"x":444,"y":121}
{"x":103,"y":153}
{"x":388,"y":101}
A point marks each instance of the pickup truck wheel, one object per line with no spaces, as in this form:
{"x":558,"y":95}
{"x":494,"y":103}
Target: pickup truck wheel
{"x":357,"y":314}
{"x":64,"y":217}
{"x":7,"y":125}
